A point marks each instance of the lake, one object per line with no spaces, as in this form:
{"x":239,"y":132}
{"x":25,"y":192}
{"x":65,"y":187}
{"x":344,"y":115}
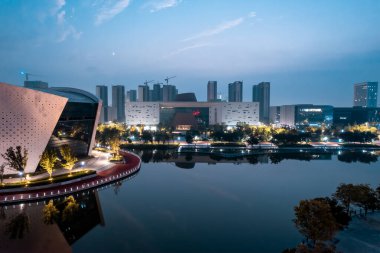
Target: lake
{"x":191,"y":203}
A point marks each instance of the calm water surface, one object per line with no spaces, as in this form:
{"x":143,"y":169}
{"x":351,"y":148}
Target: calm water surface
{"x":230,"y":206}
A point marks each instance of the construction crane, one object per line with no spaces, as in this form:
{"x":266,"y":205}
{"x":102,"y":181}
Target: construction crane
{"x":168,"y":78}
{"x":146,"y":82}
{"x":27,"y":75}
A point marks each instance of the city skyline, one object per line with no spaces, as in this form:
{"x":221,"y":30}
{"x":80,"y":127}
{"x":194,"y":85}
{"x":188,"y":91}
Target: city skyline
{"x":314,"y":50}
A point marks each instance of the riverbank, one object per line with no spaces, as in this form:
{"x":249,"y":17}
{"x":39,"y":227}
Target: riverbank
{"x":102,"y":177}
{"x":362,"y":235}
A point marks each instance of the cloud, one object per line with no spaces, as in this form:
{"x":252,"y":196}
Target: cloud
{"x":252,"y":14}
{"x":109,"y":11}
{"x":59,"y":4}
{"x":181,"y":50}
{"x":61,"y":17}
{"x":162,"y":4}
{"x":219,"y":29}
{"x":67,"y":32}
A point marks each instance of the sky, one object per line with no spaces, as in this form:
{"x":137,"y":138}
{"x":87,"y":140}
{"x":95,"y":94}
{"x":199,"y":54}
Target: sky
{"x":310,"y":51}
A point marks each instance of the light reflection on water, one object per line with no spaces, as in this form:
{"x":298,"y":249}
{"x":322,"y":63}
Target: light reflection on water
{"x":189,"y":203}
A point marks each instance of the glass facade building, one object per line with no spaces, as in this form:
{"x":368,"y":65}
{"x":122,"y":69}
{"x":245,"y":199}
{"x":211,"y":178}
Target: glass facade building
{"x":365,"y":94}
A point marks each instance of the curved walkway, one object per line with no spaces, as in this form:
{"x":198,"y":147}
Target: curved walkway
{"x":118,"y":171}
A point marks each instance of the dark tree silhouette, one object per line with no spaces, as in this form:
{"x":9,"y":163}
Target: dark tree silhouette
{"x":16,"y":158}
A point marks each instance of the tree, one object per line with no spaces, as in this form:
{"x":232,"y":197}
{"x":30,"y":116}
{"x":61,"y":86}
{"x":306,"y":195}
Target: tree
{"x":115,"y":145}
{"x":344,"y":194}
{"x":147,"y":136}
{"x":70,"y":209}
{"x":2,"y":170}
{"x":365,"y":197}
{"x":50,"y":212}
{"x":16,"y":158}
{"x":314,"y":220}
{"x":253,"y":140}
{"x":17,"y":226}
{"x":189,"y":138}
{"x":68,"y":157}
{"x":48,"y":161}
{"x":341,"y":216}
{"x":357,"y":136}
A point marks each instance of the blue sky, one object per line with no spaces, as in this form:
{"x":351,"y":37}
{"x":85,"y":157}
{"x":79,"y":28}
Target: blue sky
{"x":311,"y":51}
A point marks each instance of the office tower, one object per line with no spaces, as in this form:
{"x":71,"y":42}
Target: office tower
{"x":143,"y":93}
{"x":36,"y":84}
{"x":365,"y":94}
{"x":274,"y":114}
{"x":156,"y":93}
{"x":118,"y":102}
{"x":102,"y":93}
{"x":235,"y":91}
{"x":212,"y":89}
{"x":131,"y":96}
{"x":169,"y":92}
{"x":261,"y":94}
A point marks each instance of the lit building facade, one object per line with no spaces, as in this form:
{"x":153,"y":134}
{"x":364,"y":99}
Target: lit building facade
{"x":365,"y":94}
{"x":304,"y":115}
{"x":344,"y":116}
{"x":203,"y":113}
{"x":36,"y":119}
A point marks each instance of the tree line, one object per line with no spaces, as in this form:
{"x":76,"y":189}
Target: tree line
{"x":319,"y":219}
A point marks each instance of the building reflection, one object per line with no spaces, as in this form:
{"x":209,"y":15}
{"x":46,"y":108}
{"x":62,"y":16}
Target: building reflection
{"x":26,"y":227}
{"x":187,"y":160}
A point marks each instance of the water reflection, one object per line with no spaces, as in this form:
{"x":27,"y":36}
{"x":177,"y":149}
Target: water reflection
{"x":362,"y":157}
{"x":188,"y":160}
{"x":60,"y":222}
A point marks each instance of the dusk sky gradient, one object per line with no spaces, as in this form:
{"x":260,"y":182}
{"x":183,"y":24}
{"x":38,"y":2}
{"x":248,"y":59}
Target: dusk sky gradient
{"x":310,"y":51}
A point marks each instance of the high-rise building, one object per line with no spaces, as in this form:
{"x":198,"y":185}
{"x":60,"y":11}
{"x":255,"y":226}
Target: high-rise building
{"x":261,"y":94}
{"x":235,"y":91}
{"x":156,"y":93}
{"x":131,"y":96}
{"x":118,"y":102}
{"x":102,"y":93}
{"x":143,"y":93}
{"x":274,"y":114}
{"x":36,"y":84}
{"x":169,"y":92}
{"x":365,"y":94}
{"x":212,"y":89}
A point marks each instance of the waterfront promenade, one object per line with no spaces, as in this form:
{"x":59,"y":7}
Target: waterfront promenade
{"x":104,"y":175}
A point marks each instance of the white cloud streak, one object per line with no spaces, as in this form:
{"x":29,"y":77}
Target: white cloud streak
{"x":108,"y":12}
{"x":163,"y":4}
{"x":181,"y":50}
{"x":219,"y":29}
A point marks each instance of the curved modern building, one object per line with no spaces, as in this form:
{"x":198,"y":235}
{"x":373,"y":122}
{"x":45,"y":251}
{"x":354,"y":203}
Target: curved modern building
{"x":42,"y":118}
